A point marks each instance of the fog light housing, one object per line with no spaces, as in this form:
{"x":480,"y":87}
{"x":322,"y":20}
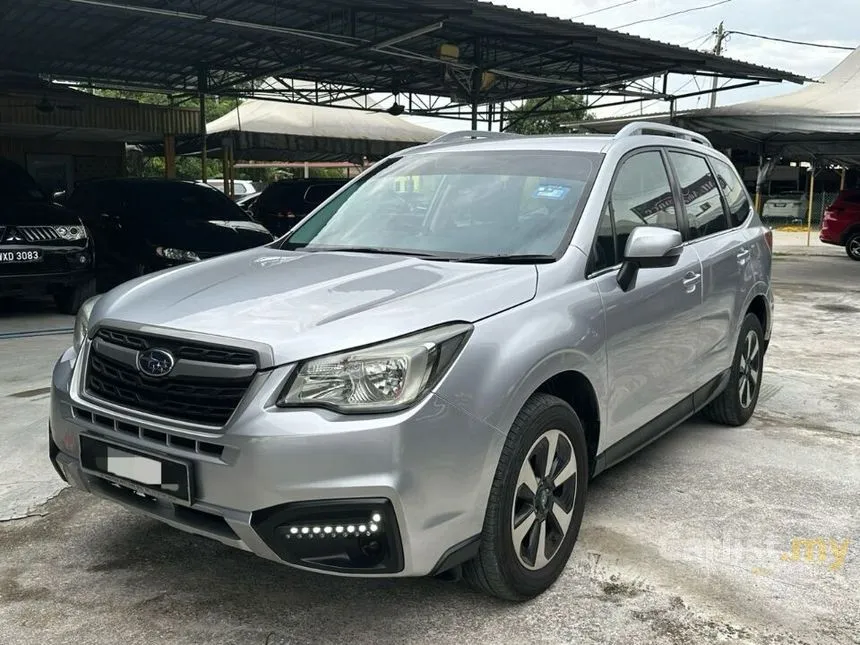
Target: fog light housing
{"x":346,"y":536}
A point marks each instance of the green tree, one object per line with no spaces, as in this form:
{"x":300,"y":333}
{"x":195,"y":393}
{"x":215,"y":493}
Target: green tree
{"x":542,"y":116}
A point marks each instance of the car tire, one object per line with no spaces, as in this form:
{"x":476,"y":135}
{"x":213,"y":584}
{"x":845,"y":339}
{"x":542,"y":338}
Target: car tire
{"x":852,"y":246}
{"x":737,"y":402}
{"x":516,"y":573}
{"x":69,"y":299}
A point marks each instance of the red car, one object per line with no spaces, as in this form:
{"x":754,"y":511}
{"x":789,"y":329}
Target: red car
{"x":841,"y":224}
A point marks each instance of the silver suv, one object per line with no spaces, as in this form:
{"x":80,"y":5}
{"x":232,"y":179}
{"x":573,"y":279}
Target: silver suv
{"x":423,"y":376}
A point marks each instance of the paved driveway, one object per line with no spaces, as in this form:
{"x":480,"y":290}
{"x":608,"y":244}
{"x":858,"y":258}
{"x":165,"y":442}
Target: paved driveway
{"x":711,"y":534}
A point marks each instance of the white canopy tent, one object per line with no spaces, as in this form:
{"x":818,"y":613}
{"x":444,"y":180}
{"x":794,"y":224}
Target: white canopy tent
{"x":271,"y":131}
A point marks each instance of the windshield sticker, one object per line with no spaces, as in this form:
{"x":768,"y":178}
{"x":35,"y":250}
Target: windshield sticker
{"x":551,"y":191}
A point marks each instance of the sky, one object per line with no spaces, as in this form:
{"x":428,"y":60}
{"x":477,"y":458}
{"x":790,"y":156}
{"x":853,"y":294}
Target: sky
{"x":789,"y":19}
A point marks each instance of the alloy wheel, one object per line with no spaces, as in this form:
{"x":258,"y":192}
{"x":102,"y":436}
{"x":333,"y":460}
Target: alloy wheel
{"x":750,"y":369}
{"x":854,"y":246}
{"x":544,"y":500}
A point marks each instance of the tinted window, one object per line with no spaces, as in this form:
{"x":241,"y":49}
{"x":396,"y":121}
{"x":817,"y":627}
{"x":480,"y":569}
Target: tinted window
{"x":504,"y":202}
{"x":733,"y":189}
{"x":640,"y":196}
{"x":281,"y":197}
{"x":181,"y":201}
{"x":705,"y":213}
{"x":318,"y":193}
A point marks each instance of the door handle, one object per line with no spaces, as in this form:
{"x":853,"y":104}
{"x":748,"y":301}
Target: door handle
{"x":691,"y":280}
{"x":743,"y":256}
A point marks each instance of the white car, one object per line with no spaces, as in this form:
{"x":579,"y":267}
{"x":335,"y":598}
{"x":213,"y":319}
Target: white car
{"x":789,"y":207}
{"x":242,"y":186}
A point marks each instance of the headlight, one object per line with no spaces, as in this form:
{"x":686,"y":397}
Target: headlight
{"x":71,"y":233}
{"x":82,"y":322}
{"x":177,"y":254}
{"x":382,"y":378}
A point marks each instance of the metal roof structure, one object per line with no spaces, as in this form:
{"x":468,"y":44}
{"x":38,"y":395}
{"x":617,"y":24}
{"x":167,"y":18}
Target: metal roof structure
{"x":33,"y":108}
{"x":464,"y":51}
{"x":818,"y":122}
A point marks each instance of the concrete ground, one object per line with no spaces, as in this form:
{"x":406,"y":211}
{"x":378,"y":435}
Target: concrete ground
{"x":700,"y":538}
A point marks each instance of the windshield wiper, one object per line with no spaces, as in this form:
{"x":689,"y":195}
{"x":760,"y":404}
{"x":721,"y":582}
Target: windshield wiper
{"x":525,"y":258}
{"x":365,"y":249}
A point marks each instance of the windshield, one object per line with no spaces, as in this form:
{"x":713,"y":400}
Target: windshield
{"x":16,"y":185}
{"x":453,"y":203}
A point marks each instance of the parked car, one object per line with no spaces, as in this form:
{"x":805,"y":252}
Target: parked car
{"x":241,"y":187}
{"x":144,"y":225}
{"x":788,"y":207}
{"x":247,"y":201}
{"x":377,"y":394}
{"x":841,"y":223}
{"x":44,"y":247}
{"x":283,"y":204}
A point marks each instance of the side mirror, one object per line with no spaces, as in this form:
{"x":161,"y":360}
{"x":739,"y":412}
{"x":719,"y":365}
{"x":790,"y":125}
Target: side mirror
{"x":649,"y":247}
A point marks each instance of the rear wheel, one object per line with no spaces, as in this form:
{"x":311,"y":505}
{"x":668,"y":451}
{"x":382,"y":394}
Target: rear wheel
{"x":69,"y":299}
{"x":852,"y":246}
{"x":736,"y":404}
{"x":536,"y":503}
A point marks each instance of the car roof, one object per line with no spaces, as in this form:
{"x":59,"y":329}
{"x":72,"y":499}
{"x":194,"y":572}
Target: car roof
{"x":568,"y":143}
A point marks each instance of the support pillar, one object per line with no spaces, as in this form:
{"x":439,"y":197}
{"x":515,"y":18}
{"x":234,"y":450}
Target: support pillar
{"x":170,"y":156}
{"x":202,"y":83}
{"x":811,"y":200}
{"x":842,"y":179}
{"x":232,"y":168}
{"x":225,"y":168}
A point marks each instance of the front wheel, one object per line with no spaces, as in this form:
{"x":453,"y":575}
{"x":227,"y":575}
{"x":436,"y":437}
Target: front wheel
{"x":536,"y":503}
{"x":736,"y":404}
{"x":852,"y":246}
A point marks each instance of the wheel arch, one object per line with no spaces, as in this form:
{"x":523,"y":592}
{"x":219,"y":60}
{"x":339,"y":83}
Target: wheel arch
{"x":575,"y":389}
{"x":852,"y":230}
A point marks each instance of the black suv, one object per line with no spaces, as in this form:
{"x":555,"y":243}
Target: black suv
{"x":285,"y":203}
{"x":44,"y":247}
{"x":145,"y":225}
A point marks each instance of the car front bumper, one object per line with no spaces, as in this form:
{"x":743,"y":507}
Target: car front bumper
{"x":427,"y":470}
{"x":61,"y":267}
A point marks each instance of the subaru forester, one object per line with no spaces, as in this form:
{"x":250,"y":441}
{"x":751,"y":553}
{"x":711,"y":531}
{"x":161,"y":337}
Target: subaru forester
{"x":424,"y":375}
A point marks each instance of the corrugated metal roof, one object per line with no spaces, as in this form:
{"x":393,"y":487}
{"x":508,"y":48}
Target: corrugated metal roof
{"x":28,"y":105}
{"x":142,"y":43}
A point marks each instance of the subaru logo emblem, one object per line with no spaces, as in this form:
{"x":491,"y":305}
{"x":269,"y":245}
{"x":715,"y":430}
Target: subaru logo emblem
{"x":155,"y":362}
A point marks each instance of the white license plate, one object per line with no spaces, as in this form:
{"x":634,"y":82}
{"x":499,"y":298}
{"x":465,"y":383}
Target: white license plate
{"x":30,"y":255}
{"x":138,"y":469}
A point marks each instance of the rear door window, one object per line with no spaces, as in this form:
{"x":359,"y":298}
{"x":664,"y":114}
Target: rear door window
{"x":318,"y":193}
{"x":734,"y":192}
{"x":702,"y":200}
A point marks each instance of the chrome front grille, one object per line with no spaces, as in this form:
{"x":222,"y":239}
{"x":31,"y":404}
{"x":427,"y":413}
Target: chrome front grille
{"x":35,"y":234}
{"x":204,"y":388}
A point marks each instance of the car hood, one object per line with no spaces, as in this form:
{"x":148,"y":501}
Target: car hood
{"x":308,"y":304}
{"x":36,"y":214}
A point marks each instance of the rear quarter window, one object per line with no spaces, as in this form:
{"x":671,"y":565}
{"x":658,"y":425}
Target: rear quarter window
{"x":734,"y":192}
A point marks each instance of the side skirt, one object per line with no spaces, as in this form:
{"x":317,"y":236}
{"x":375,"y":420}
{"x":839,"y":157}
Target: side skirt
{"x":656,"y":428}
